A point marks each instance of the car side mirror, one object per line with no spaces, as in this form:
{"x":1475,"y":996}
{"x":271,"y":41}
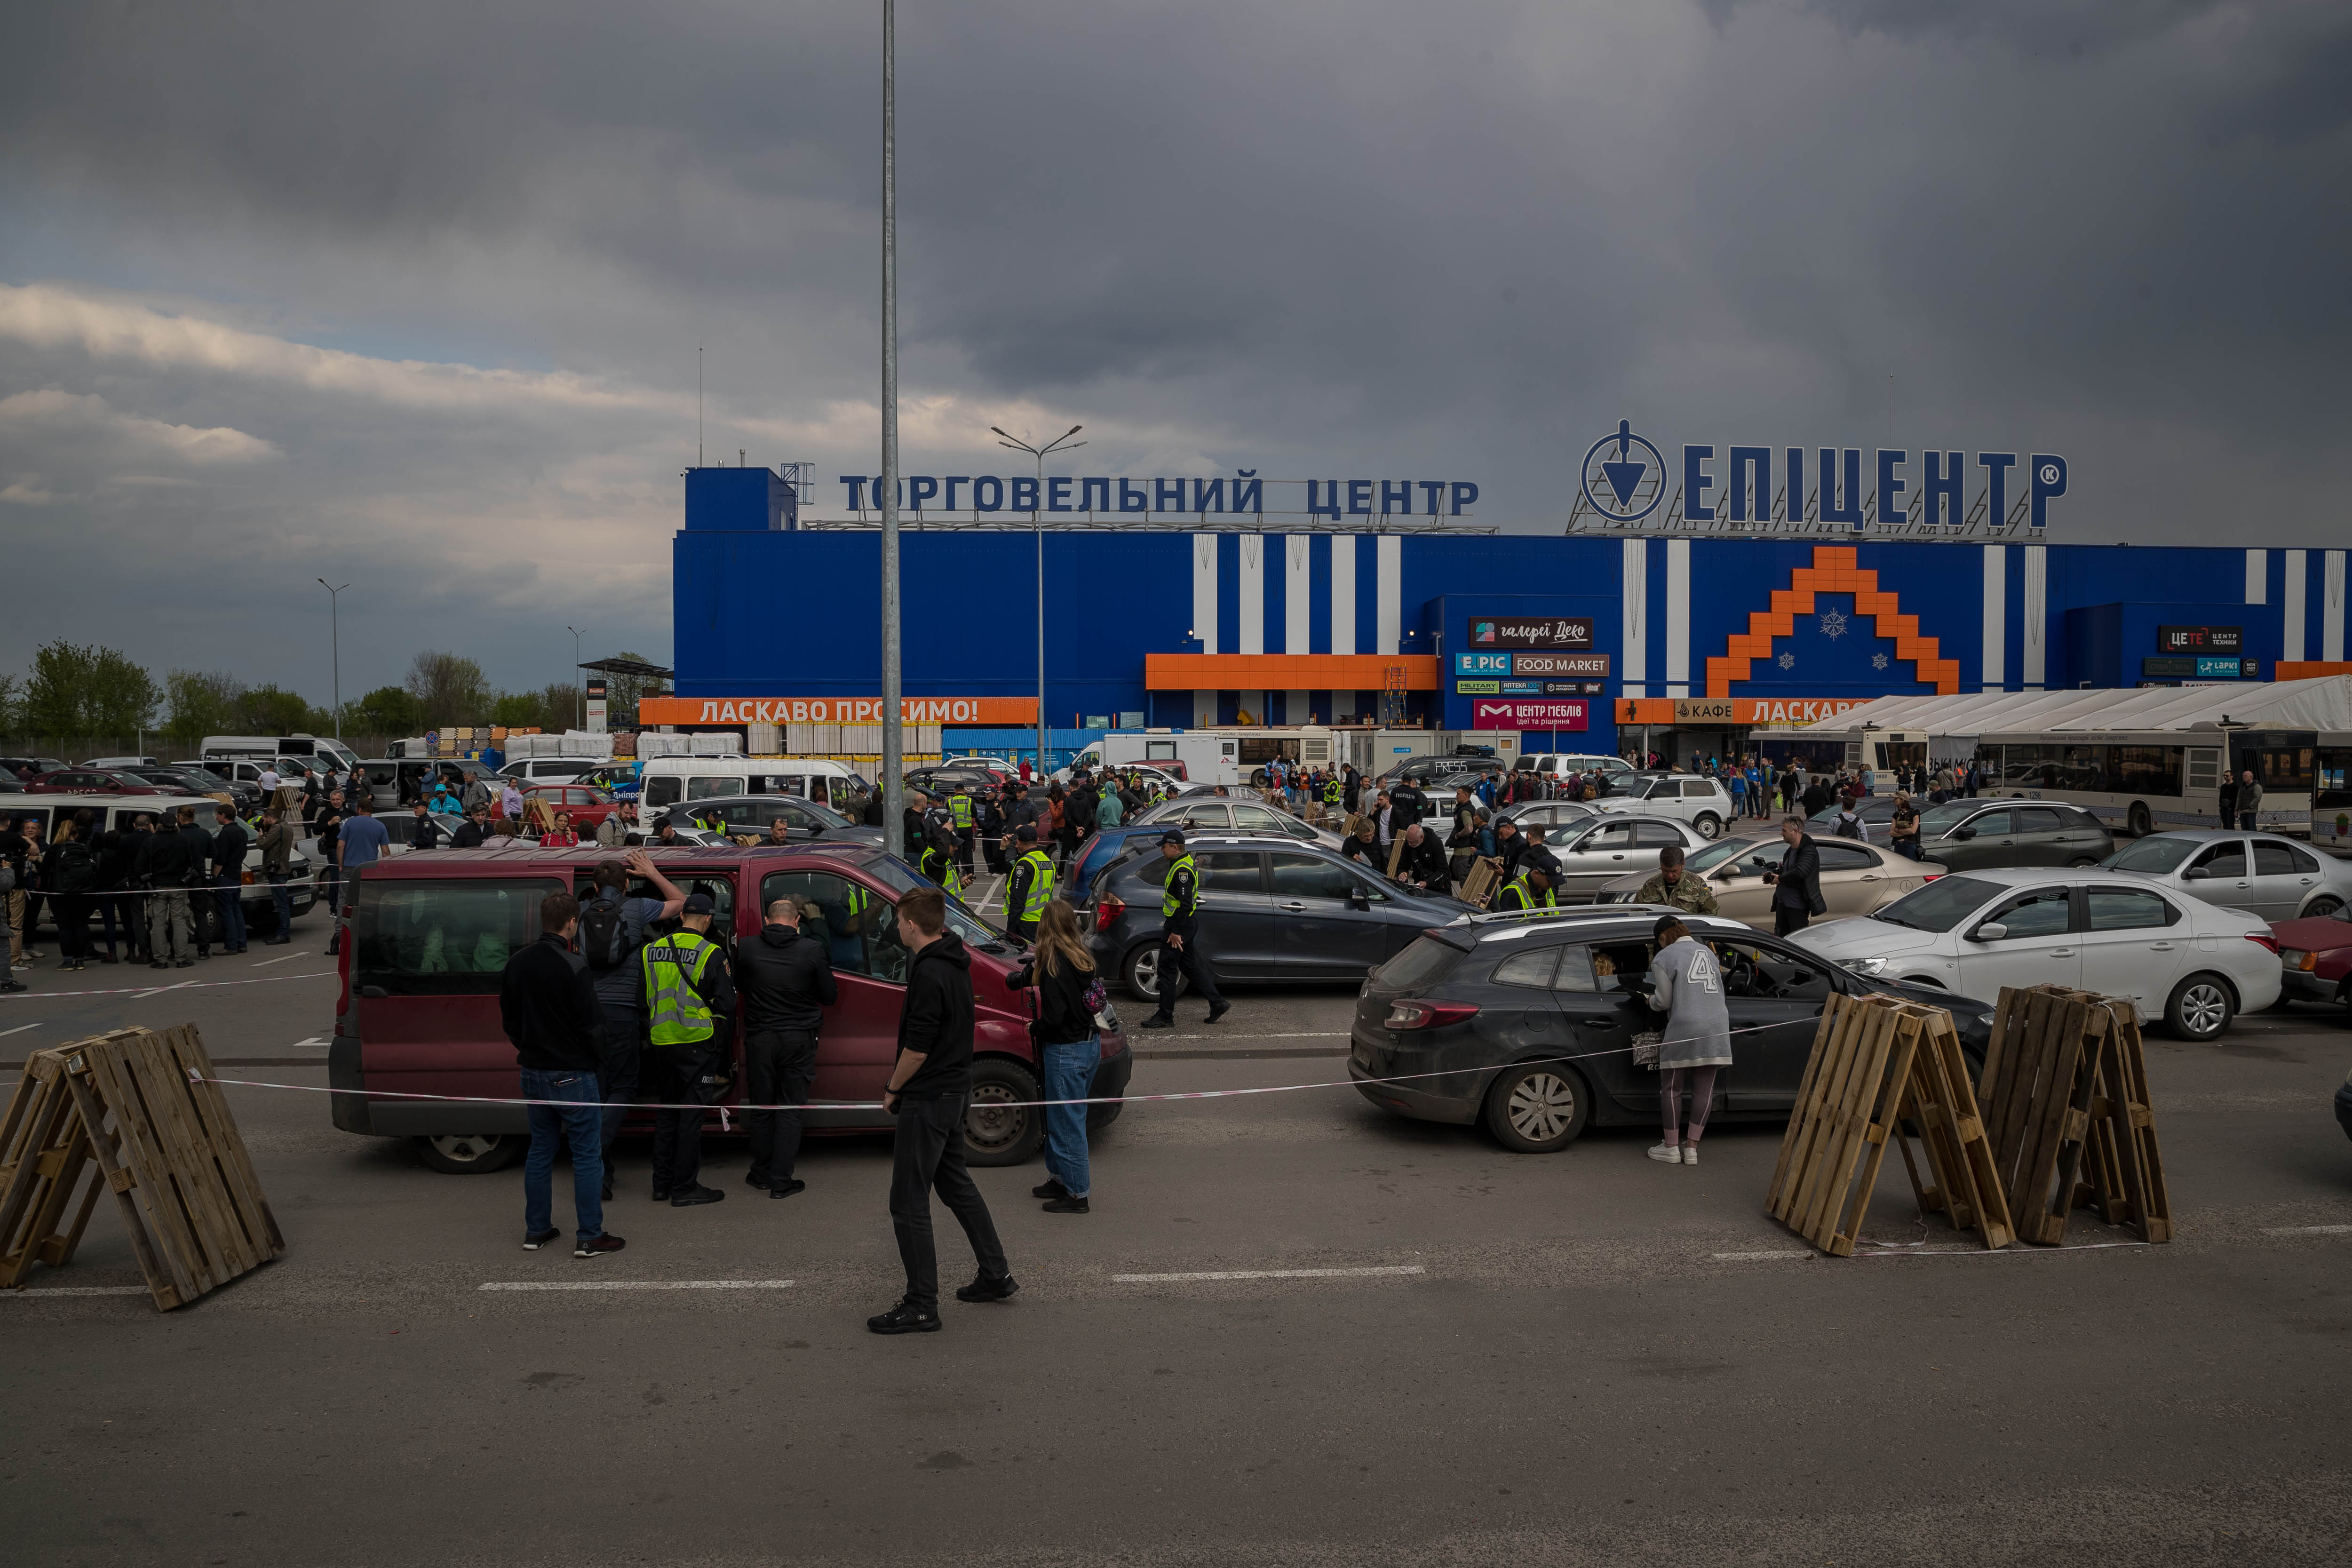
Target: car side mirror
{"x":1359,"y":901}
{"x":1992,"y":931}
{"x":2196,"y":874}
{"x":1961,"y":832}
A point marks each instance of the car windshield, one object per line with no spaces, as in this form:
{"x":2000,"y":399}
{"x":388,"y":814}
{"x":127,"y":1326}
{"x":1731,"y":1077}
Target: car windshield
{"x":824,"y":813}
{"x":1940,"y":905}
{"x":2155,"y":855}
{"x":1938,"y":819}
{"x":1763,"y":854}
{"x":895,"y":876}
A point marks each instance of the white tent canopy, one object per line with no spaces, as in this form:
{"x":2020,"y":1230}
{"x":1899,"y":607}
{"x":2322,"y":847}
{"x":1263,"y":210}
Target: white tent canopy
{"x":2323,"y":703}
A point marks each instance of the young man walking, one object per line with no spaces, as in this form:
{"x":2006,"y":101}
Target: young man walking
{"x":550,"y":1015}
{"x":930,"y":1089}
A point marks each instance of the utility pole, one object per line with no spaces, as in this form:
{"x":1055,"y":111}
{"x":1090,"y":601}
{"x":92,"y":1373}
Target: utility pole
{"x":1037,"y":528}
{"x":335,"y":636}
{"x":579,"y":718}
{"x":894,"y":765}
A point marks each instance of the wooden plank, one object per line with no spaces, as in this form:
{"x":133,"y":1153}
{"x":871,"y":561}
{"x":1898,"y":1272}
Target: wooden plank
{"x":42,"y":1150}
{"x":1822,"y":1203}
{"x":244,"y":1187}
{"x":149,"y":1156}
{"x":1903,"y":1032}
{"x":196,"y":1173}
{"x":1959,"y":1149}
{"x":2154,"y":1202}
{"x":2060,"y":1153}
{"x":165,"y":1283}
{"x":1837,"y":1022}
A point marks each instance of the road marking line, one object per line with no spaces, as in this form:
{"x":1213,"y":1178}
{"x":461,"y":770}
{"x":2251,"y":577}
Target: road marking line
{"x":158,"y":990}
{"x":267,"y":962}
{"x":19,"y":1029}
{"x":1755,"y":1257}
{"x":1269,"y":1274}
{"x":2308,"y":1230}
{"x":636,"y":1285}
{"x":74,"y":1290}
{"x":1296,"y":1035}
{"x":313,"y":1040}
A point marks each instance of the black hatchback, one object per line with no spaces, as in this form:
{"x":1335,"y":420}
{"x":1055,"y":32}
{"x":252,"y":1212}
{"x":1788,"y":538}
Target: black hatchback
{"x":1271,"y":909}
{"x":1528,"y":1025}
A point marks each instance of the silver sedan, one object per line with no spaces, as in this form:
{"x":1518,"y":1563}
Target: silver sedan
{"x":1218,"y":814}
{"x":1600,"y":850}
{"x":2259,"y":873}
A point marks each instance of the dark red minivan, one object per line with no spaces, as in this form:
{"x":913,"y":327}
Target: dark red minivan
{"x":431,"y":933}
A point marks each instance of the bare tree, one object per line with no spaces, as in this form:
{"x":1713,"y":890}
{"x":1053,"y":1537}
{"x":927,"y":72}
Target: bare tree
{"x":449,"y":688}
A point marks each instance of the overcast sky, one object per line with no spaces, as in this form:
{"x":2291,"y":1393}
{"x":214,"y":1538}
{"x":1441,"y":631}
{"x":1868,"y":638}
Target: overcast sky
{"x":409,"y":296}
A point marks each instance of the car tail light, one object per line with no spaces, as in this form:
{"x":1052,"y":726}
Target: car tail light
{"x":1108,"y":911}
{"x":2263,"y":939}
{"x":1412,"y":1013}
{"x":1929,"y":876}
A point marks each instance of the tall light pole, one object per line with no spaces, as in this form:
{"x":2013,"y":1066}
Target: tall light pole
{"x":1037,"y":527}
{"x":578,"y":718}
{"x":335,"y":638}
{"x":894,"y":767}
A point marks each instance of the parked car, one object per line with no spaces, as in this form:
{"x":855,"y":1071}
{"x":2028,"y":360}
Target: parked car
{"x":244,"y":797}
{"x":1427,"y":772}
{"x":2259,"y":873}
{"x":1599,"y":849}
{"x":552,"y":770}
{"x":1494,"y":1002}
{"x":21,"y":769}
{"x":2315,"y":956}
{"x":102,"y":764}
{"x":431,"y":934}
{"x":1980,"y":835}
{"x":1271,"y":910}
{"x":94,"y":781}
{"x":1856,"y":878}
{"x":1552,"y":816}
{"x":753,"y":813}
{"x":1615,"y":771}
{"x":1213,"y":814}
{"x":1694,"y":799}
{"x":588,"y":807}
{"x":1877,"y":812}
{"x":950,"y":779}
{"x":2176,"y":958}
{"x":1099,"y":851}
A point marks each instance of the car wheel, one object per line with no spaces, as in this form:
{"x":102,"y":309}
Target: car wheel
{"x":1142,"y":974}
{"x":2080,"y":863}
{"x":2321,"y":907}
{"x":1538,"y":1108}
{"x":471,"y":1154}
{"x":2138,"y":821}
{"x":1708,"y":825}
{"x":2201,"y":1007}
{"x":998,"y":1130}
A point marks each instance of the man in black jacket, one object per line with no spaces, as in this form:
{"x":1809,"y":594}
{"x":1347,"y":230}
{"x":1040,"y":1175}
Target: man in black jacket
{"x":549,"y":1011}
{"x":424,"y":833}
{"x":168,"y":868}
{"x":1422,"y":864}
{"x":785,"y":980}
{"x":930,"y":1088}
{"x":1796,"y":884}
{"x":229,"y":844}
{"x":200,"y":875}
{"x":474,"y":830}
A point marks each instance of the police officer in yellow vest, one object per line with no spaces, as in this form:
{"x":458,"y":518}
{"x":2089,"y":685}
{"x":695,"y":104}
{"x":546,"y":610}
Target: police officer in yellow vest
{"x":960,"y":815}
{"x":938,"y":862}
{"x":1180,"y":937}
{"x":690,"y":1052}
{"x":1029,"y":886}
{"x":1531,"y":889}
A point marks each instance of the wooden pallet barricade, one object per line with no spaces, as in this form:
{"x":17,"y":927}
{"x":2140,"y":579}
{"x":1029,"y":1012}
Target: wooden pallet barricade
{"x":165,"y":1144}
{"x":1876,"y":1063}
{"x":2066,"y":1095}
{"x":1485,"y":876}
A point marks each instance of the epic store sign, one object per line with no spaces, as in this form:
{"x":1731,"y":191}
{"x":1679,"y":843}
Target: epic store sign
{"x":1526,"y":666}
{"x":1490,"y":715}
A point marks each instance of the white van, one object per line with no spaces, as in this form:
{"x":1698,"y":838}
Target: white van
{"x":1574,"y":763}
{"x":552,"y":770}
{"x":255,"y":747}
{"x":666,"y":781}
{"x":118,"y":812}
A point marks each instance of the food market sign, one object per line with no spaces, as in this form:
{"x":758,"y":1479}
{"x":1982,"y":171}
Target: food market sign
{"x":1530,"y":665}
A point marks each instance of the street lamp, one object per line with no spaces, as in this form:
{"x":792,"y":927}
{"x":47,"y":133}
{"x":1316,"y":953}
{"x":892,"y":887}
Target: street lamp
{"x":578,"y":718}
{"x":894,"y":760}
{"x":335,"y":634}
{"x":1037,"y":526}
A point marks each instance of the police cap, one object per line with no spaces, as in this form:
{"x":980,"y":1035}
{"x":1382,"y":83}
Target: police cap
{"x":698,"y":903}
{"x":1172,"y":837}
{"x":1026,"y":834}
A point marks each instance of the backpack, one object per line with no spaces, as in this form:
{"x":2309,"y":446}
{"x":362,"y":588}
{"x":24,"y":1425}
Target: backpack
{"x":603,"y":935}
{"x":1850,"y":828}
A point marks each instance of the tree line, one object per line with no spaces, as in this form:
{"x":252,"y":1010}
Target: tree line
{"x":74,"y":690}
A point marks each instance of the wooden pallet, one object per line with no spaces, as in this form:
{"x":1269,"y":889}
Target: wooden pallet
{"x":1962,"y":1181}
{"x":1847,"y":1105}
{"x":2065,"y":1098}
{"x":2128,"y":1184}
{"x":164,"y":1143}
{"x":1485,"y":874}
{"x":44,"y":1152}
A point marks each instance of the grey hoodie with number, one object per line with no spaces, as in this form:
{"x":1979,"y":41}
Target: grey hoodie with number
{"x":1687,"y":984}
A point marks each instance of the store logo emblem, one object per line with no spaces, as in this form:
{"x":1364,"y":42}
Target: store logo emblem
{"x":1625,"y":476}
{"x":1483,"y":632}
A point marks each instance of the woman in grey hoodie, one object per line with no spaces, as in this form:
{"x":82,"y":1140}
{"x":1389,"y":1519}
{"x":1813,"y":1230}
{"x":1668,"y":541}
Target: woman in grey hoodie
{"x":1687,"y":984}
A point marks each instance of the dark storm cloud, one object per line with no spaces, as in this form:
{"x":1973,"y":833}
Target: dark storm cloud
{"x":1328,"y":240}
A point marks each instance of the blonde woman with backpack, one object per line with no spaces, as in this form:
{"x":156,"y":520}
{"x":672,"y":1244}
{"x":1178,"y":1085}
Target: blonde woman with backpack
{"x":1069,"y":994}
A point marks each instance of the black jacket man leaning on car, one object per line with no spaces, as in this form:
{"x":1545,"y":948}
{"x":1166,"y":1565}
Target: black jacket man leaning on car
{"x":1796,"y":884}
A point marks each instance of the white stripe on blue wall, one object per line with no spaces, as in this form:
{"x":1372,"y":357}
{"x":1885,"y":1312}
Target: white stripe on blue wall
{"x":1298,"y":604}
{"x":1343,"y":596}
{"x":1204,"y":591}
{"x":1250,"y":633}
{"x":1678,"y":627}
{"x":2331,"y":627}
{"x":1996,"y":616}
{"x":2296,"y":583}
{"x":2258,"y":576}
{"x":2037,"y":616}
{"x":1388,"y":550}
{"x":1633,"y":591}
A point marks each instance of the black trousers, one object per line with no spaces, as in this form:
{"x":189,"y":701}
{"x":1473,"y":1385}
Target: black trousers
{"x":779,"y":1065}
{"x":1185,"y":960}
{"x":624,"y":1066}
{"x":1787,"y":918}
{"x":927,"y":1156}
{"x":693,"y":1076}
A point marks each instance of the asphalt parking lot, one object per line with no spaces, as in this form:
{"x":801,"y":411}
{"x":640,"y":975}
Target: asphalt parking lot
{"x":1295,"y":1329}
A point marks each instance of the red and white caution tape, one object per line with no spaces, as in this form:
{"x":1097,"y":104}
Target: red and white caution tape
{"x":149,"y":990}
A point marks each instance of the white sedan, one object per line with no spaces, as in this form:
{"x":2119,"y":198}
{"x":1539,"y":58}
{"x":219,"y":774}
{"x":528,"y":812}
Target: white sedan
{"x":2178,"y":958}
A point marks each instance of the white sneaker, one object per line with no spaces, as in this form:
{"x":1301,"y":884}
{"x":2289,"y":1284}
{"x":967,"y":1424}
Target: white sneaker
{"x":1666,"y":1154}
{"x":1690,"y":1153}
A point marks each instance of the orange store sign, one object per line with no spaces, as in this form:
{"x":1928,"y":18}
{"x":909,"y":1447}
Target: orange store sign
{"x":1733,"y":710}
{"x":834,"y":710}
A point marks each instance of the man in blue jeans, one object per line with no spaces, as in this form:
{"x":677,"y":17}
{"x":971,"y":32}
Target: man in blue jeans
{"x":549,"y":1011}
